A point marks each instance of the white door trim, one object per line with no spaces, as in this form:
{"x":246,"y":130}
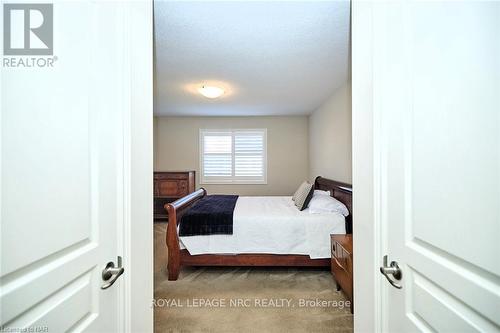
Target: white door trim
{"x":127,"y":204}
{"x":366,"y":141}
{"x":138,"y":167}
{"x":124,"y":242}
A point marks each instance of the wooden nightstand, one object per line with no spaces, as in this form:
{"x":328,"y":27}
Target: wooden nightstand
{"x":342,"y":264}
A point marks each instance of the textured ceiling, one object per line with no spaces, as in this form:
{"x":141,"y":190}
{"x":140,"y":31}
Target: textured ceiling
{"x":272,"y":58}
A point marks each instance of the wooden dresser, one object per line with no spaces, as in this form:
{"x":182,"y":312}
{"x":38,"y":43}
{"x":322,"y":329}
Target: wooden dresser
{"x":342,"y":264}
{"x":168,"y":187}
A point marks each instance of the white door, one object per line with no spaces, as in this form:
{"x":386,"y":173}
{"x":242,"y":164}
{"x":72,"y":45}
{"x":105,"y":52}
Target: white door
{"x":437,"y":88}
{"x":62,"y":174}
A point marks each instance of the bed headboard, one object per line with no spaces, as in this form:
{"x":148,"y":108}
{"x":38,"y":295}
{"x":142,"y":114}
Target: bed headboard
{"x":340,"y":191}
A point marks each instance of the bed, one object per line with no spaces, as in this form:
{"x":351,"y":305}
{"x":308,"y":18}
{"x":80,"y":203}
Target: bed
{"x":268,"y":231}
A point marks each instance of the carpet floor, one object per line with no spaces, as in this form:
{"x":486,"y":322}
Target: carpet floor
{"x":244,"y":299}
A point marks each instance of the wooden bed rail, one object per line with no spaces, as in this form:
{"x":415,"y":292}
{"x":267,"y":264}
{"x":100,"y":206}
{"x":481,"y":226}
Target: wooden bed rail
{"x":188,"y":199}
{"x":174,"y":209}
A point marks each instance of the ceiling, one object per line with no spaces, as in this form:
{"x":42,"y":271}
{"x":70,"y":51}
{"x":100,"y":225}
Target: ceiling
{"x":272,"y":58}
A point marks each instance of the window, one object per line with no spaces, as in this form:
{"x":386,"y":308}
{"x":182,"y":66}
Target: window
{"x":233,"y":156}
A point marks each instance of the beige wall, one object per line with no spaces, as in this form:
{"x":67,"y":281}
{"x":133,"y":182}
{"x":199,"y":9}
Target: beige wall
{"x":155,"y":143}
{"x":330,"y":147}
{"x":177,"y":141}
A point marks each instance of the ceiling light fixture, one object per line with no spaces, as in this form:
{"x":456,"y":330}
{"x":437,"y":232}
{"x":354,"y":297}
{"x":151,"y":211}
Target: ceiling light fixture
{"x":210,"y":91}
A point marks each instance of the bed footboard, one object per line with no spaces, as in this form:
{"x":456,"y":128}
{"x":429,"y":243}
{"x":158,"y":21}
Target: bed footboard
{"x":175,"y":211}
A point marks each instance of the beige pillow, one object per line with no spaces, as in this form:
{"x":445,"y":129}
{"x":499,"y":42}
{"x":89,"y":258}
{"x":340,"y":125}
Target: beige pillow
{"x":298,"y":190}
{"x":303,"y":195}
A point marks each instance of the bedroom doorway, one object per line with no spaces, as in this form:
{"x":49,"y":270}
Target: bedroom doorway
{"x":246,"y":95}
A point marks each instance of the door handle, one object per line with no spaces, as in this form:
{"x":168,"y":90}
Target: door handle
{"x":394,"y":270}
{"x":110,"y":273}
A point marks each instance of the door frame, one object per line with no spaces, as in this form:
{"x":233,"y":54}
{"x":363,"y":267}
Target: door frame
{"x":367,"y":175}
{"x":136,"y":225}
{"x":138,"y":170}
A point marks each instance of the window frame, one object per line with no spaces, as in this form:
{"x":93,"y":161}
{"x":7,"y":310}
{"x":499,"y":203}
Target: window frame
{"x":232,"y":179}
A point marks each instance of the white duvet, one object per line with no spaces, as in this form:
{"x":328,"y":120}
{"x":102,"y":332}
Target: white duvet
{"x":271,"y":225}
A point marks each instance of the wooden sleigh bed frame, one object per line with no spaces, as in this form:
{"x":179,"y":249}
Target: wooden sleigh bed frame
{"x":178,"y":258}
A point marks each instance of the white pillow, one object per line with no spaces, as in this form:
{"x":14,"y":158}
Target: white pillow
{"x":327,"y":204}
{"x":319,"y":192}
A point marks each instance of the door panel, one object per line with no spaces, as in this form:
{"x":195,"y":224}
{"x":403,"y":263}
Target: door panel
{"x":439,"y":101}
{"x":455,"y":120}
{"x":443,"y":312}
{"x":62,"y":175}
{"x":45,"y":140}
{"x":454,"y":157}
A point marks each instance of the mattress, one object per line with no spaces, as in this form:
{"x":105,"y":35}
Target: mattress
{"x":271,"y":225}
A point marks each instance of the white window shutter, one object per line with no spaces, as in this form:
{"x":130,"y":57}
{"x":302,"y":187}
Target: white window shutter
{"x":249,"y":154}
{"x":233,"y":156}
{"x":217,"y":155}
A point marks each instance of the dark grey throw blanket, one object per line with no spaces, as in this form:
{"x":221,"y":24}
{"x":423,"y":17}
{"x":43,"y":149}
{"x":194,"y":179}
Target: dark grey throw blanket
{"x":211,"y":215}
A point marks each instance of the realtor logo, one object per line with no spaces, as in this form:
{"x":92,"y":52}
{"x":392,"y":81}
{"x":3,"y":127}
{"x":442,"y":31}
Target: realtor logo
{"x":28,"y":29}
